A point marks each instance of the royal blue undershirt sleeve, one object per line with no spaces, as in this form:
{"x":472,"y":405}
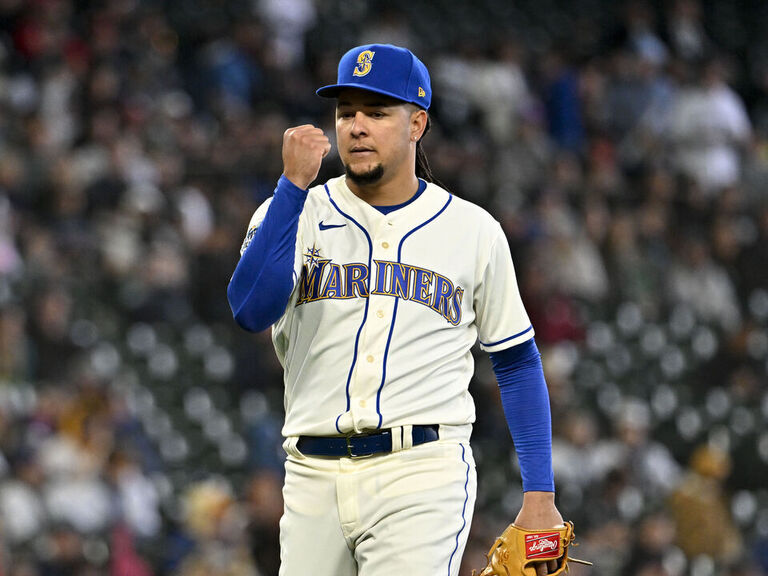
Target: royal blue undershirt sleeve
{"x":263,"y":280}
{"x":525,"y":399}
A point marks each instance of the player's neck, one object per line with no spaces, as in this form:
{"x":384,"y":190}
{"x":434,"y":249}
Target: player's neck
{"x":386,"y":192}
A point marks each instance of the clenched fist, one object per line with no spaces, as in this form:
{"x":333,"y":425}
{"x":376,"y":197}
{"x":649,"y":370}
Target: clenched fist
{"x":303,"y":150}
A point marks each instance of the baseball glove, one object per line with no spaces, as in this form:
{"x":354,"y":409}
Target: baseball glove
{"x":517,"y":550}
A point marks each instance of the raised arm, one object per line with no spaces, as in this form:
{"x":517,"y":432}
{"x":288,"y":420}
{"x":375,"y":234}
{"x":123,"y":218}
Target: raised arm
{"x":263,"y":279}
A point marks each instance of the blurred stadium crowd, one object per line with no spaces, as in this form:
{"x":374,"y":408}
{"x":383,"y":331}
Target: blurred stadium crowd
{"x":624,"y":147}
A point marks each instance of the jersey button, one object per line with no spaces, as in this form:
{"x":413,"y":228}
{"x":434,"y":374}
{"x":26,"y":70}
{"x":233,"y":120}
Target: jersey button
{"x":370,"y":359}
{"x":380,"y":313}
{"x":361,"y":403}
{"x":385,"y":244}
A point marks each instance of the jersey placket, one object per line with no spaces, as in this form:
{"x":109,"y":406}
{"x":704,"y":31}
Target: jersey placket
{"x":372,"y":355}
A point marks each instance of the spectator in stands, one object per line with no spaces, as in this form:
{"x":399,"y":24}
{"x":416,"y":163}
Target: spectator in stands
{"x":648,"y":465}
{"x":685,"y":30}
{"x":709,"y":130}
{"x":653,"y":549}
{"x":704,"y":522}
{"x":216,"y":524}
{"x":695,"y":279}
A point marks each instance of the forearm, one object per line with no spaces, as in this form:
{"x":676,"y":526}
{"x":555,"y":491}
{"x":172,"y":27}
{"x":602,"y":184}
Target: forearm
{"x":263,"y":279}
{"x":525,"y":399}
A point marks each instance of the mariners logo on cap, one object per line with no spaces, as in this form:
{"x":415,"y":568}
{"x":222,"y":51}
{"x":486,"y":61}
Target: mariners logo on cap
{"x":364,"y":63}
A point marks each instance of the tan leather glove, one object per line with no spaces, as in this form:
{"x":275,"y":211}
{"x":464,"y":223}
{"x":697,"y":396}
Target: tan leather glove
{"x":517,"y":551}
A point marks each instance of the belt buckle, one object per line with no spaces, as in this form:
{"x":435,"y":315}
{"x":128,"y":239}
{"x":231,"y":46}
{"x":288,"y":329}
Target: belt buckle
{"x":350,"y":452}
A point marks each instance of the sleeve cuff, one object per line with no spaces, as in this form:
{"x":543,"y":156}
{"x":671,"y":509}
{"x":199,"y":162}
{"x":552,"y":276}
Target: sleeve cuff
{"x":509,"y":341}
{"x":285,"y":185}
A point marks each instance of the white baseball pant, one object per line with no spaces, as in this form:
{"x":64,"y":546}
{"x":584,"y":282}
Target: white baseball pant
{"x":406,"y":512}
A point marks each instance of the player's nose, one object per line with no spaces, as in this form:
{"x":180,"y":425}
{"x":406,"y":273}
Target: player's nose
{"x":358,"y":126}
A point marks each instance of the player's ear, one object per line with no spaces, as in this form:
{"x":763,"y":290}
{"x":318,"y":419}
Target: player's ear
{"x":418,"y":123}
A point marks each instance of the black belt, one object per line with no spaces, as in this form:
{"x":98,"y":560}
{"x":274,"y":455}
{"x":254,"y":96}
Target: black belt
{"x":360,"y":445}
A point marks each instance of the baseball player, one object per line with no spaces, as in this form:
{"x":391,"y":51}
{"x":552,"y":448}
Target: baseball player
{"x":377,"y":284}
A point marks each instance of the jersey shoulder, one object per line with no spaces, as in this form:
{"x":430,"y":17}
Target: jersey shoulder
{"x":254,"y":223}
{"x":318,"y":197}
{"x":470,"y":213}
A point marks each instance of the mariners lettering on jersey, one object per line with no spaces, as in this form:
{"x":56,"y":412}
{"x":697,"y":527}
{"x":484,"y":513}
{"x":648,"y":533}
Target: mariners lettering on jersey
{"x":322,"y":279}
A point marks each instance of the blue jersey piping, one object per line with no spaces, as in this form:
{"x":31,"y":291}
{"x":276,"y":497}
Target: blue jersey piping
{"x":367,"y":300}
{"x":463,"y":511}
{"x":508,"y":339}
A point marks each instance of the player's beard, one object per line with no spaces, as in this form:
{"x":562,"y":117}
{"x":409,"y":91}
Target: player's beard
{"x":365,"y":178}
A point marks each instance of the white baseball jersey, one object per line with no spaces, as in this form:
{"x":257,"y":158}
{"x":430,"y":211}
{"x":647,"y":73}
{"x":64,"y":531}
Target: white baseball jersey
{"x":385,"y":309}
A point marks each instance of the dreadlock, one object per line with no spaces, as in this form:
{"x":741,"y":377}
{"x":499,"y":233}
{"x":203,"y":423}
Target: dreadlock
{"x":423,"y":170}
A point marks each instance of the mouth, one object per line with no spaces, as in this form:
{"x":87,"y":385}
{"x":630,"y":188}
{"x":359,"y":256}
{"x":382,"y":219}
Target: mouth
{"x":361,"y":151}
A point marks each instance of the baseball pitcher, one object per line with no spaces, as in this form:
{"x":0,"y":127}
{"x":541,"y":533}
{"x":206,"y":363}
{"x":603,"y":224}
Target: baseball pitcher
{"x":377,"y":284}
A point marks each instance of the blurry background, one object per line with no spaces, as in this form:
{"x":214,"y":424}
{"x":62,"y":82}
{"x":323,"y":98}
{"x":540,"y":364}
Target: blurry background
{"x":623,"y":145}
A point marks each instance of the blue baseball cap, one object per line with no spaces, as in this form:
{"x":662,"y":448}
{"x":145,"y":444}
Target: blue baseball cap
{"x":384,"y":69}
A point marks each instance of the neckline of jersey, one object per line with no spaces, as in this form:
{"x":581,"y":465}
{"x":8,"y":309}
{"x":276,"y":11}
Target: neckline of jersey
{"x":387,"y":209}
